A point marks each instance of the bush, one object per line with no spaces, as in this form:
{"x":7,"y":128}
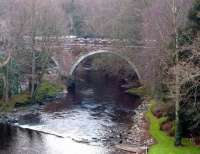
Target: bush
{"x":162,"y":121}
{"x":158,"y":113}
{"x":168,"y":127}
{"x":47,"y":90}
{"x":159,"y":109}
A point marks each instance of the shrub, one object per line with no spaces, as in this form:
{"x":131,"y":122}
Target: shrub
{"x":167,"y":126}
{"x":47,"y":90}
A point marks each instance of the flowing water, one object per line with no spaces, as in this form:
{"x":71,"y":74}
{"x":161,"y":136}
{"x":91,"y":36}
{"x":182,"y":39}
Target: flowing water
{"x":91,"y":121}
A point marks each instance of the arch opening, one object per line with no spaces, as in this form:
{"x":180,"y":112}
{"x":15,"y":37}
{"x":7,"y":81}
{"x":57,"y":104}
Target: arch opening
{"x":71,"y":76}
{"x":84,"y":57}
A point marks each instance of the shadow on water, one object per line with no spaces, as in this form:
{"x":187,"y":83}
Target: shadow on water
{"x":6,"y":136}
{"x":90,"y":121}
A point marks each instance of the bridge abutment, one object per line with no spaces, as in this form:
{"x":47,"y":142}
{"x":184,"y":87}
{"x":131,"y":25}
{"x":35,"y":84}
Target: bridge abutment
{"x":71,"y":84}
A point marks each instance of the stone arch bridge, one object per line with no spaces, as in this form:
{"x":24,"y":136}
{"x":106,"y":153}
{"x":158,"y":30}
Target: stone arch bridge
{"x":71,"y":53}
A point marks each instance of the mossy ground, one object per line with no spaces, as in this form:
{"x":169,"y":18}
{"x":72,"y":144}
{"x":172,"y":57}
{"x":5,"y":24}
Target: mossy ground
{"x":21,"y":99}
{"x":164,"y":143}
{"x":46,"y":89}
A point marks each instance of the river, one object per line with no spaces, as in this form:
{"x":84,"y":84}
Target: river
{"x":90,"y":121}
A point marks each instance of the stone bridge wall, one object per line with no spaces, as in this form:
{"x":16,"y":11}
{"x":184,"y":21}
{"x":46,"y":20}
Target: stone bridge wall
{"x":67,"y":52}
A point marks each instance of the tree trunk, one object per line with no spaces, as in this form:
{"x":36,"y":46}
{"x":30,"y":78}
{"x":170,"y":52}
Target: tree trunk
{"x":33,"y":65}
{"x":178,"y":132}
{"x":33,"y":74}
{"x":6,"y":84}
{"x":5,"y":77}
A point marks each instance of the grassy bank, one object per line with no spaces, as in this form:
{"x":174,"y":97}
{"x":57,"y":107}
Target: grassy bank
{"x":164,"y":143}
{"x":45,"y":90}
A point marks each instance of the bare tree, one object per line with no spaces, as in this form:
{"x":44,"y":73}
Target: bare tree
{"x":34,"y":29}
{"x":5,"y":63}
{"x":170,"y":16}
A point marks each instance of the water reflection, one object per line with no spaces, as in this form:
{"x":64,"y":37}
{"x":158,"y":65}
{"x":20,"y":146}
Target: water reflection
{"x":89,"y":122}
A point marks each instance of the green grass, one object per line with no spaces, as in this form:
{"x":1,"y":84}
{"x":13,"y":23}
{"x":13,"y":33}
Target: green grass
{"x":46,"y":89}
{"x":164,"y":143}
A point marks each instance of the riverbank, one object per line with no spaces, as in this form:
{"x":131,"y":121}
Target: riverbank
{"x":139,"y":131}
{"x":15,"y":113}
{"x":138,"y":139}
{"x":22,"y":103}
{"x":165,"y":144}
{"x":161,"y":142}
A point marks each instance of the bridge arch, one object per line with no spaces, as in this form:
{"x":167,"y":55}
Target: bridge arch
{"x":87,"y":55}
